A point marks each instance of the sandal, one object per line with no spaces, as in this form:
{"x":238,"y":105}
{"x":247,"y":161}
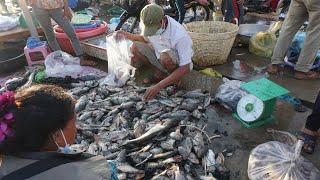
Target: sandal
{"x":309,"y":142}
{"x":309,"y":75}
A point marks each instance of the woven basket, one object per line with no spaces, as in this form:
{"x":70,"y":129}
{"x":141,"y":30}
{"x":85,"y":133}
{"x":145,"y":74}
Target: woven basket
{"x":212,"y":41}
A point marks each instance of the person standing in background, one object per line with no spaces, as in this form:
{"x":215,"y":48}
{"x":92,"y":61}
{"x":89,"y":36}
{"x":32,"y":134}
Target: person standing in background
{"x":58,"y":10}
{"x":299,"y":12}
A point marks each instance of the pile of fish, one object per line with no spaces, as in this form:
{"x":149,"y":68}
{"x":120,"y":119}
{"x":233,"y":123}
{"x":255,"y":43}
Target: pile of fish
{"x":162,"y":138}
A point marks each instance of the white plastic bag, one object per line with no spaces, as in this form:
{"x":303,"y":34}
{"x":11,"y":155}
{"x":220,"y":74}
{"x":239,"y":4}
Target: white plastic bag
{"x":119,"y":57}
{"x":275,"y":160}
{"x":7,"y":23}
{"x":61,"y":64}
{"x":230,"y":93}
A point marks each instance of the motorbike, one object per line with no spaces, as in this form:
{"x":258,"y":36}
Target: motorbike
{"x":129,"y":19}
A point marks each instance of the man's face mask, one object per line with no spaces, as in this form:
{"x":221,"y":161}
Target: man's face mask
{"x":66,"y":149}
{"x":161,"y":30}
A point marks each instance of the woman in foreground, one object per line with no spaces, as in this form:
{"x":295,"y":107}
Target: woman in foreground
{"x":37,"y":125}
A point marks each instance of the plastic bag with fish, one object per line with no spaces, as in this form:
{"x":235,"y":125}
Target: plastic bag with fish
{"x":119,"y":67}
{"x":229,"y":93}
{"x":275,"y":160}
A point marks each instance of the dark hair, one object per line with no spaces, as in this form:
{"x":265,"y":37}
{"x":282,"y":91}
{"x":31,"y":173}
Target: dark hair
{"x":39,"y":111}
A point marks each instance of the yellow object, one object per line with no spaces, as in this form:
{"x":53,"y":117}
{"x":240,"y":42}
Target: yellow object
{"x":263,"y":43}
{"x":212,"y":73}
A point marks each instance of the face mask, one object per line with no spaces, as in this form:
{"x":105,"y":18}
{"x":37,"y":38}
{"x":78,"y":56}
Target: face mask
{"x":66,"y":149}
{"x":161,"y":30}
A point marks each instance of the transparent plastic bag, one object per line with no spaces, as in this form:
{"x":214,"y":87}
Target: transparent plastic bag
{"x":275,"y":160}
{"x":229,"y":93}
{"x":61,"y":64}
{"x":119,"y":57}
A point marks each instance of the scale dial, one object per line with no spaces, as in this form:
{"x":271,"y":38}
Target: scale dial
{"x":250,"y":108}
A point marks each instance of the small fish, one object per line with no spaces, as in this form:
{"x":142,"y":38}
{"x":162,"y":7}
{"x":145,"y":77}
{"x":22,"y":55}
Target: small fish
{"x":197,"y":114}
{"x":164,"y":155}
{"x":207,"y":101}
{"x":210,"y":161}
{"x":121,"y":157}
{"x":220,"y":159}
{"x":155,"y":116}
{"x":190,"y":104}
{"x":127,"y":105}
{"x":153,"y":132}
{"x":153,"y":109}
{"x":139,"y":128}
{"x":93,"y":149}
{"x":175,"y":159}
{"x":155,"y":151}
{"x":85,"y":116}
{"x":185,"y":148}
{"x":126,"y":168}
{"x":122,"y":176}
{"x":140,"y":105}
{"x":193,"y":158}
{"x":114,"y":111}
{"x":168,"y":145}
{"x":198,"y":145}
{"x":176,"y":135}
{"x":181,"y":114}
{"x":194,"y":94}
{"x":81,"y":104}
{"x":119,"y":100}
{"x":168,"y":102}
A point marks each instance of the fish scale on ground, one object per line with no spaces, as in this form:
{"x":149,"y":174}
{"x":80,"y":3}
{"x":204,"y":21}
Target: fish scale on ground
{"x":159,"y":134}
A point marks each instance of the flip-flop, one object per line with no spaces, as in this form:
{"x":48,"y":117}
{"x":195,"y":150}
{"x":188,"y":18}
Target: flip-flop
{"x":309,"y":142}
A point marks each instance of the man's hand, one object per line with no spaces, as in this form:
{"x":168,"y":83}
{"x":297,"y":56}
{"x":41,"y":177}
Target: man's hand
{"x":67,"y":13}
{"x":121,"y":35}
{"x":152,"y":92}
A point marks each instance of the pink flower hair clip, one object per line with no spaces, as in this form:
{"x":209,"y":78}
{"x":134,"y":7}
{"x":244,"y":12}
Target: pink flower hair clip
{"x":6,"y":118}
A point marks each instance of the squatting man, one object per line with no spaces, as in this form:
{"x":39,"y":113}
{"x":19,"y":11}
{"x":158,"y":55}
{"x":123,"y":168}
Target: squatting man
{"x":163,"y":43}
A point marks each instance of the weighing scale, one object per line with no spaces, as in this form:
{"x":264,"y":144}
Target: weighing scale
{"x":256,"y":108}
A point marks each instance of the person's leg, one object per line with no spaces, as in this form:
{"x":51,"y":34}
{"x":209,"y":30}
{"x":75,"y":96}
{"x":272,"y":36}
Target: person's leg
{"x":312,"y":41}
{"x":313,"y":121}
{"x":44,"y":20}
{"x":57,"y":16}
{"x":296,"y":17}
{"x":309,"y":133}
{"x":169,"y":60}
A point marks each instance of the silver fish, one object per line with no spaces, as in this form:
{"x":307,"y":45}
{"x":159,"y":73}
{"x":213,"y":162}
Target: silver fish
{"x":185,"y":148}
{"x":181,"y":114}
{"x":197,"y":114}
{"x":126,"y":168}
{"x":153,"y":109}
{"x":81,"y":104}
{"x":155,"y":151}
{"x":198,"y":145}
{"x":127,"y":105}
{"x":168,"y":145}
{"x":122,"y":176}
{"x":93,"y":149}
{"x":190,"y":104}
{"x":153,"y":132}
{"x":139,"y":128}
{"x":155,"y":116}
{"x":193,"y":158}
{"x":207,"y":101}
{"x":176,"y":135}
{"x":168,"y":102}
{"x":210,"y":161}
{"x":194,"y":94}
{"x":85,"y":116}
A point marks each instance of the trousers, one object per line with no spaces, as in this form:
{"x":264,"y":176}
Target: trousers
{"x":44,"y":17}
{"x":313,"y":121}
{"x":299,"y":12}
